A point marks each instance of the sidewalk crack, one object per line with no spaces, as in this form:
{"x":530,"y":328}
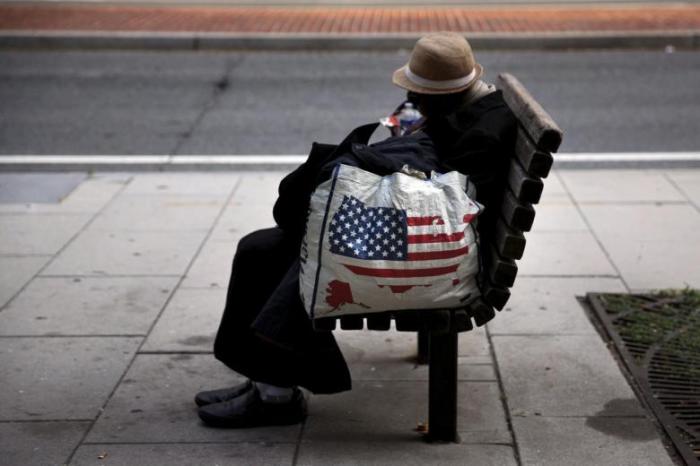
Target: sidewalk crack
{"x":504,"y":397}
{"x":681,"y":191}
{"x":583,"y":216}
{"x":137,"y":353}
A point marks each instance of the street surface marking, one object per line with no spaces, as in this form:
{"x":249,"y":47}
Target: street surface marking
{"x":568,"y":159}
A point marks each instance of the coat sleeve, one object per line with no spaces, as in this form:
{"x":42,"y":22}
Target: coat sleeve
{"x":481,"y":158}
{"x":485,"y":160}
{"x":295,"y":190}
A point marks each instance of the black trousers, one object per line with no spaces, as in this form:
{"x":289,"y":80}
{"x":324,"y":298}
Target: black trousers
{"x":265,"y":333}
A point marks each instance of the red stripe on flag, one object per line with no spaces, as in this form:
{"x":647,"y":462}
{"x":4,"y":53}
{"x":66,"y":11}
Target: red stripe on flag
{"x":424,"y":221}
{"x":468,"y":218}
{"x":432,"y":255}
{"x":402,"y":273}
{"x":436,"y":238}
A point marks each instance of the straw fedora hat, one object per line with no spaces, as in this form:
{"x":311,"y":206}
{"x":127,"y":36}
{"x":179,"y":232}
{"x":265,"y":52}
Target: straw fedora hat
{"x":441,"y":63}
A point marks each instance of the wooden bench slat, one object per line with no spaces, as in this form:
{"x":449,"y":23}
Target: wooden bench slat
{"x":461,"y":321}
{"x":501,"y":271}
{"x":518,"y":215}
{"x":536,"y":162}
{"x":496,"y":296}
{"x":509,"y":242}
{"x":525,"y":187}
{"x":351,"y":322}
{"x":482,"y":312}
{"x":326,"y":323}
{"x":379,"y":322}
{"x":407,"y":321}
{"x":537,"y":122}
{"x":436,"y":321}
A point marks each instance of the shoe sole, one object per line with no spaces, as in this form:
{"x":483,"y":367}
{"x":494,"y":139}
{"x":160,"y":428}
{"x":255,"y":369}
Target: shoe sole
{"x":247,"y":422}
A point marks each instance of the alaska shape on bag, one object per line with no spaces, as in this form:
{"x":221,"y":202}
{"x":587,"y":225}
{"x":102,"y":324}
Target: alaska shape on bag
{"x":396,"y":242}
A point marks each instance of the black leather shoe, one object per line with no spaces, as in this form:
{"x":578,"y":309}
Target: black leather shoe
{"x":248,"y":410}
{"x":222,"y":394}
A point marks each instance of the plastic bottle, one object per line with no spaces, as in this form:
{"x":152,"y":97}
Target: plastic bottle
{"x":408,"y":116}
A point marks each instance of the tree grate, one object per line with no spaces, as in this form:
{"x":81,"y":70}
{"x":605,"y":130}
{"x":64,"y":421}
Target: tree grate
{"x":658,"y":338}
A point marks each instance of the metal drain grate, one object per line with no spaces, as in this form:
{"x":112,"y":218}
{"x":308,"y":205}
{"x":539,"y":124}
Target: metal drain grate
{"x":658,"y":337}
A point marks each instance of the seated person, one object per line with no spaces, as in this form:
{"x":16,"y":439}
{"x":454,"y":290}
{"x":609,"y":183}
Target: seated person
{"x":265,"y":333}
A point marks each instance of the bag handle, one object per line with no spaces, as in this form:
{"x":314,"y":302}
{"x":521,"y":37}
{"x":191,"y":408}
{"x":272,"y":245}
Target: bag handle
{"x":359,"y":135}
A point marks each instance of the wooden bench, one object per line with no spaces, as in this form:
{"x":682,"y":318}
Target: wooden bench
{"x":538,"y":136}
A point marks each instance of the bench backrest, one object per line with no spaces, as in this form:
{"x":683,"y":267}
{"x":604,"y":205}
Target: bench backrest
{"x":538,"y":136}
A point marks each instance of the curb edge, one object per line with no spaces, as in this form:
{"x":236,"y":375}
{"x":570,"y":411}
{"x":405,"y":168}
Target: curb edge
{"x":137,"y":163}
{"x":90,"y":40}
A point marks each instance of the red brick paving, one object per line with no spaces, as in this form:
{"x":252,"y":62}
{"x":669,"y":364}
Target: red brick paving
{"x":355,"y":20}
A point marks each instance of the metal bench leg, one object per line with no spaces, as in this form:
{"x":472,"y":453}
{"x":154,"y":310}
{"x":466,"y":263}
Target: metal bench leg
{"x":442,"y":405}
{"x":423,"y":346}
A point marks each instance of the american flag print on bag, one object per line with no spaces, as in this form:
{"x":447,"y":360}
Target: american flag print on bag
{"x":387,"y":243}
{"x":399,"y":250}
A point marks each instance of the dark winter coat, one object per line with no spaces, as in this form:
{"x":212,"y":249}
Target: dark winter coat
{"x":265,"y":333}
{"x":478,"y":141}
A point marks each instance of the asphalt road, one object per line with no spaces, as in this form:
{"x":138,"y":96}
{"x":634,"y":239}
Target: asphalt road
{"x":121,"y":102}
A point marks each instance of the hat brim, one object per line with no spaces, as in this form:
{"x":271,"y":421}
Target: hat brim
{"x":400,"y":79}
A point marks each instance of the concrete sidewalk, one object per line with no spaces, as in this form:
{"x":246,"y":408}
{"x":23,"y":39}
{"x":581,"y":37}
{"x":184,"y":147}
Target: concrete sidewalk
{"x":111,"y":291}
{"x":333,"y":26}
